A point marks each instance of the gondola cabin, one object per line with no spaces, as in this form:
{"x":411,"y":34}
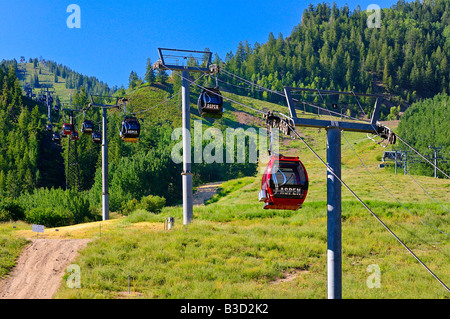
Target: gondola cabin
{"x":210,"y":103}
{"x":284,"y":183}
{"x":96,"y":137}
{"x":56,"y":137}
{"x":87,"y":127}
{"x":67,"y":129}
{"x":75,"y":136}
{"x":49,"y":127}
{"x":131,"y":130}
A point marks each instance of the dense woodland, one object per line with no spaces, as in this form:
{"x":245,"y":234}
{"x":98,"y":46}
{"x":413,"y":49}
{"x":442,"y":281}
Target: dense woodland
{"x":426,"y":124}
{"x":20,"y":128}
{"x":332,"y":48}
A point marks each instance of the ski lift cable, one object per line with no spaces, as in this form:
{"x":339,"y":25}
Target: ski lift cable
{"x":371,"y":212}
{"x":351,"y":191}
{"x":284,"y":115}
{"x":163,"y":102}
{"x":448,"y":211}
{"x":283,"y":95}
{"x":227,"y":98}
{"x":342,"y":133}
{"x":318,"y":107}
{"x":367,"y":169}
{"x":356,"y":98}
{"x":261,"y":88}
{"x":423,"y":156}
{"x":345,"y":139}
{"x":407,"y":171}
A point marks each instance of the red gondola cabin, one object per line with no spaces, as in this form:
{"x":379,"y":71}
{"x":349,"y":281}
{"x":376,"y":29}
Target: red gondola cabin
{"x":284,"y":184}
{"x":75,"y":136}
{"x":67,"y":129}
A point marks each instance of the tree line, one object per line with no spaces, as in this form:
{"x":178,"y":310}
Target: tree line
{"x":333,"y":48}
{"x":20,"y":134}
{"x":73,"y":79}
{"x":426,"y":124}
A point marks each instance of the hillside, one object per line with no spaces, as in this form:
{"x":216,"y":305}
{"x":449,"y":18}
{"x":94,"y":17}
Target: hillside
{"x":333,"y":48}
{"x":235,"y":249}
{"x":61,"y":80}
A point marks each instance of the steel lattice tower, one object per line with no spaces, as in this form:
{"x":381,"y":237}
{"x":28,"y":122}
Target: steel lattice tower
{"x":72,"y":169}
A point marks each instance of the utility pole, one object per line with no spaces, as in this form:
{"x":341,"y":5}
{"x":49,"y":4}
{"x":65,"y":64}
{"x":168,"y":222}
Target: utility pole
{"x":334,"y":128}
{"x":186,"y":175}
{"x":435,"y":157}
{"x":105,"y":181}
{"x":105,"y":189}
{"x":334,"y":238}
{"x":73,"y":171}
{"x":405,"y":163}
{"x":169,"y":59}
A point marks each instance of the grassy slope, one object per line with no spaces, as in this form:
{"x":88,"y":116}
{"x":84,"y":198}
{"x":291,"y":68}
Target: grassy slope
{"x":45,"y":78}
{"x":235,"y":249}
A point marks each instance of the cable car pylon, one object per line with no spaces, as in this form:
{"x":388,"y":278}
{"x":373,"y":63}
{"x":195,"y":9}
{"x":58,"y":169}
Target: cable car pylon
{"x":333,"y":129}
{"x":72,"y":169}
{"x":187,"y":61}
{"x":104,"y":141}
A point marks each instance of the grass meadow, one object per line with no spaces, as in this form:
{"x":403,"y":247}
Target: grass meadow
{"x":236,"y":249}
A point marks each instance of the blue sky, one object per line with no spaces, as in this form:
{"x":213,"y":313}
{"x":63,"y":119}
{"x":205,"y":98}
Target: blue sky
{"x":117,"y":37}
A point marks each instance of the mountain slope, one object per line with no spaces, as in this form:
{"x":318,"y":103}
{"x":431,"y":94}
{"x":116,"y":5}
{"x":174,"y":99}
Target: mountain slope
{"x":333,"y":48}
{"x":61,"y":80}
{"x":236,"y":249}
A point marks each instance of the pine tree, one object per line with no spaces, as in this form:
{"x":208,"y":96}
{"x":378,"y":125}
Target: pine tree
{"x":150,"y":73}
{"x":161,"y":76}
{"x":35,"y":81}
{"x":132,"y":80}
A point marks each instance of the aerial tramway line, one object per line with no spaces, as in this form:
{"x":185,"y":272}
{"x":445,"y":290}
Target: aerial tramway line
{"x":284,"y":184}
{"x":274,"y":176}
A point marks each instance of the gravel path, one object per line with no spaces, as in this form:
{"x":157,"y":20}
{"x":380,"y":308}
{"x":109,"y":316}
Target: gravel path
{"x":39,"y":270}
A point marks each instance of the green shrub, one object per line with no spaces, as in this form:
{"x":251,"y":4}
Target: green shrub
{"x":49,"y":217}
{"x":10,"y":210}
{"x":152,"y":203}
{"x":141,"y":215}
{"x":57,"y":207}
{"x":129,"y":206}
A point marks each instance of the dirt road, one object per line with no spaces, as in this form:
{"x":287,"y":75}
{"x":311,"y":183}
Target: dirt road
{"x":205,"y":192}
{"x":40,"y":268}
